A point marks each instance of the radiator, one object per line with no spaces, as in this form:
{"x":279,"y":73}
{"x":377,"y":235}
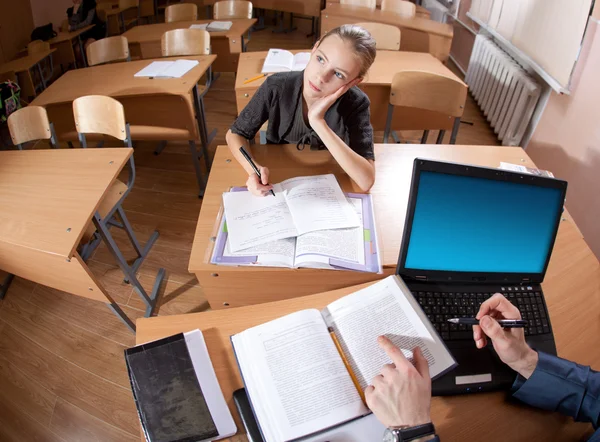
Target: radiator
{"x":506,"y":94}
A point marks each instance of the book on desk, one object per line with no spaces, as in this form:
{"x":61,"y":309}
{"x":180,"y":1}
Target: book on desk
{"x":297,"y":381}
{"x":213,"y":26}
{"x":176,"y":391}
{"x":309,"y":223}
{"x":280,"y":60}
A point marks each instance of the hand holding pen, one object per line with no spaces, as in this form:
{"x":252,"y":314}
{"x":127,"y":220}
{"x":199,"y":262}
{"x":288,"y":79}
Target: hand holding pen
{"x":258,"y":183}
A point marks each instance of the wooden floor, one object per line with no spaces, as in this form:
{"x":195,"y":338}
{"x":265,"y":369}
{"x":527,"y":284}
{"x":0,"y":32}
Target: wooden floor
{"x":62,"y":373}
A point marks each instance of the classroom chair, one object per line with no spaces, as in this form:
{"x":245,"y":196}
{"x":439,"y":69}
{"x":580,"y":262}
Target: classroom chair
{"x":185,"y":42}
{"x":401,"y":7}
{"x":387,"y":37}
{"x":108,"y":50}
{"x":30,"y":124}
{"x":95,"y":114}
{"x":371,"y":4}
{"x":231,"y":9}
{"x":427,"y":91}
{"x":181,"y":12}
{"x":45,"y":73}
{"x":126,"y":6}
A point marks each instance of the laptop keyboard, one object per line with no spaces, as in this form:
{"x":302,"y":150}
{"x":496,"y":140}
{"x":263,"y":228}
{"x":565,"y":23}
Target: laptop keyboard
{"x":441,"y":306}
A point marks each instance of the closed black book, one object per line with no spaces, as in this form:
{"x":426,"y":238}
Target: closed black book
{"x":171,"y":404}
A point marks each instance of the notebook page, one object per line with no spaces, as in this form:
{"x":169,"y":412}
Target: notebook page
{"x":254,"y":220}
{"x":179,"y":68}
{"x":385,"y":308}
{"x":347,"y":244}
{"x":318,"y":203}
{"x":155,"y":69}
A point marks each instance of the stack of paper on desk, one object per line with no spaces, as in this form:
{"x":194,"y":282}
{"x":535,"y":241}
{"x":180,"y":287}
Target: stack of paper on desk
{"x":309,"y":223}
{"x":214,"y":26}
{"x":167,"y":69}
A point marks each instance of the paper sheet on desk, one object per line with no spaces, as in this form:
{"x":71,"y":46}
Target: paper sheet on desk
{"x":167,"y":69}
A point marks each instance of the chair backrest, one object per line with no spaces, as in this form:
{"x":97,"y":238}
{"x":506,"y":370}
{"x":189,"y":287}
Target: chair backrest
{"x":401,"y":7}
{"x":229,"y":9}
{"x":30,"y":124}
{"x":37,"y":46}
{"x":108,"y":50}
{"x":97,"y":114}
{"x":429,"y":91}
{"x":181,"y":42}
{"x":181,"y":12}
{"x":126,"y":4}
{"x":371,"y":4}
{"x":386,"y":37}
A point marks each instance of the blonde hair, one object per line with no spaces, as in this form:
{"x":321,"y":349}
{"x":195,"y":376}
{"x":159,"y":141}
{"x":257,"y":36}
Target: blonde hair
{"x":363,"y":44}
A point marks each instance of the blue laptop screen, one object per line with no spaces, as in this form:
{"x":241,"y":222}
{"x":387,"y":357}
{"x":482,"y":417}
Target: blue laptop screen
{"x":471,"y":224}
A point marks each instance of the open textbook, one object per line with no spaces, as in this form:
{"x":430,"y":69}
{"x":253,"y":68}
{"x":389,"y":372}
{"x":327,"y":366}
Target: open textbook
{"x":167,"y":69}
{"x":280,"y":60}
{"x":294,"y":376}
{"x":300,"y":205}
{"x":353,"y":248}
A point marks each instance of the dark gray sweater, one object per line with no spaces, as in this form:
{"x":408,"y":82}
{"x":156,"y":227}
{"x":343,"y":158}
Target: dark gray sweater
{"x":277,"y":100}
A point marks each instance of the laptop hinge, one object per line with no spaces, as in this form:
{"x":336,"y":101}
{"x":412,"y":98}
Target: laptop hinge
{"x":421,"y":278}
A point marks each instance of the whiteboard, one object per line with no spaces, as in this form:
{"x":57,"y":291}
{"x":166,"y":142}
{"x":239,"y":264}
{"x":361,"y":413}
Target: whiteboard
{"x":549,"y":32}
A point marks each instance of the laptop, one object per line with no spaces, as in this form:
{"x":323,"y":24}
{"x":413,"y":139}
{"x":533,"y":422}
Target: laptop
{"x":471,"y":232}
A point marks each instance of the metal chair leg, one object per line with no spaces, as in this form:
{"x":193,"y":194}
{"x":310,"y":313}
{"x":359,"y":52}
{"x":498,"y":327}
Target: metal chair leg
{"x":440,"y":137}
{"x":454,"y":133}
{"x":122,"y":316}
{"x":130,"y":271}
{"x":197,"y":169}
{"x":424,"y":137}
{"x":388,"y":123}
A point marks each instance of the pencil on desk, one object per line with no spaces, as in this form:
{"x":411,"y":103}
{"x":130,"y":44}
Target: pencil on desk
{"x":250,"y":80}
{"x":348,"y":367}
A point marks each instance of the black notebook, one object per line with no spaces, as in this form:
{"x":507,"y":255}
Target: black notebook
{"x":176,"y":391}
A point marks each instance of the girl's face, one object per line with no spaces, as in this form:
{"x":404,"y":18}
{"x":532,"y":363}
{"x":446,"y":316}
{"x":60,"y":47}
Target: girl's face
{"x":332,"y":65}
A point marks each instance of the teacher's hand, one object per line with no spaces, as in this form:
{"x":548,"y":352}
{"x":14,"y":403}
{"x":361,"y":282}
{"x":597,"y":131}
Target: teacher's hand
{"x":401,"y":394}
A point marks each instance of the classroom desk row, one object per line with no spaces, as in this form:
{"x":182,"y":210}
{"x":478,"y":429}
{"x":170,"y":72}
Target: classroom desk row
{"x":156,"y":109}
{"x":571,"y":286}
{"x":144,"y":41}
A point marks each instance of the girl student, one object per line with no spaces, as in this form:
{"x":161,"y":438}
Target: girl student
{"x":319,"y":106}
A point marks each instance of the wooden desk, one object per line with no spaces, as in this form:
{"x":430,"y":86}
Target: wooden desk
{"x":376,"y":85}
{"x":572,"y":289}
{"x":144,"y":41}
{"x":418,"y":34}
{"x":64,"y":42}
{"x":226,"y":287}
{"x":156,"y":109}
{"x":420,"y":10}
{"x":48,"y":198}
{"x":23,"y":67}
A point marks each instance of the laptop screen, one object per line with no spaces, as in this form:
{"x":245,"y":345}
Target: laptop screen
{"x":474,"y":224}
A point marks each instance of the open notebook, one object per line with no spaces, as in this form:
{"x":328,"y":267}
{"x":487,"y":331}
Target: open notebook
{"x":294,"y":376}
{"x":309,"y":223}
